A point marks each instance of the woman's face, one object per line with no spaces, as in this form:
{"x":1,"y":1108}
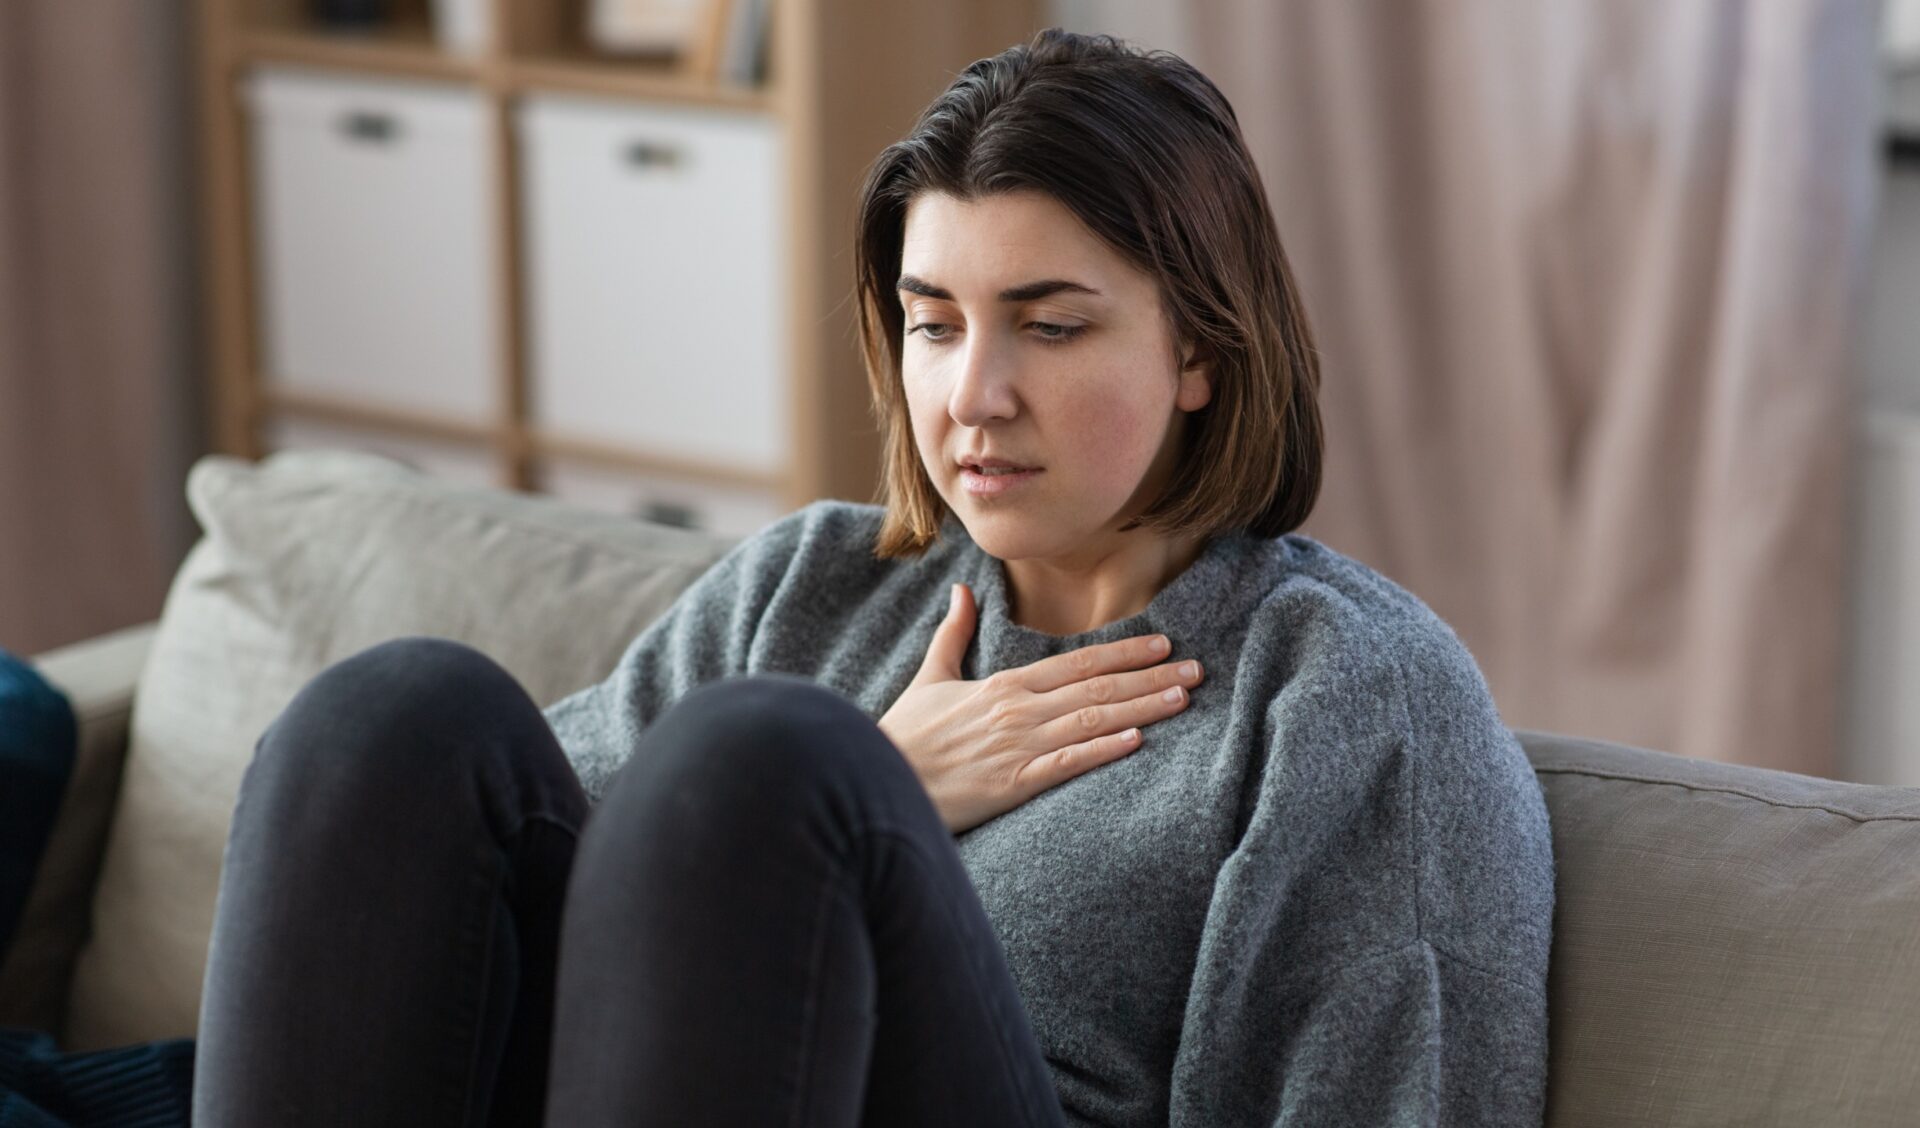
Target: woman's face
{"x":1030,"y":340}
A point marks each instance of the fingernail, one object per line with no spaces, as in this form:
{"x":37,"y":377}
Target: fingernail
{"x":1160,"y":644}
{"x":953,"y":600}
{"x":1172,"y":696}
{"x":1189,"y":669}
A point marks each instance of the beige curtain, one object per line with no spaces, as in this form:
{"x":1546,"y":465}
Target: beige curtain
{"x":1585,"y":277}
{"x":97,"y":395}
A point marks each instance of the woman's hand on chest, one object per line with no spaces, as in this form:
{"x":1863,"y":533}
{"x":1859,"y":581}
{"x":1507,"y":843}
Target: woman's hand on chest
{"x":983,"y":747}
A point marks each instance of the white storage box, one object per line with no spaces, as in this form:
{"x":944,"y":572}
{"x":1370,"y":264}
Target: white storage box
{"x":735,"y":511}
{"x":375,"y":233}
{"x":655,"y":250}
{"x":470,"y":465}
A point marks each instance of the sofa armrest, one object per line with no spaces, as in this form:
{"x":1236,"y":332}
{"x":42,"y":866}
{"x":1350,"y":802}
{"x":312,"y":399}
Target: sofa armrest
{"x":98,"y":676}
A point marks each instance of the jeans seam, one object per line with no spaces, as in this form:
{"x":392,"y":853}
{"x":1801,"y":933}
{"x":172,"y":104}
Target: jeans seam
{"x":470,"y":1006}
{"x":550,"y":820}
{"x":1008,"y":1057}
{"x":810,"y":1015}
{"x":492,"y":897}
{"x":569,"y":829}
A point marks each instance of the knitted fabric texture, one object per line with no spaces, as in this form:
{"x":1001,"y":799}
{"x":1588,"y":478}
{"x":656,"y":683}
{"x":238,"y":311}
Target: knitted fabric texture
{"x":1321,"y":895}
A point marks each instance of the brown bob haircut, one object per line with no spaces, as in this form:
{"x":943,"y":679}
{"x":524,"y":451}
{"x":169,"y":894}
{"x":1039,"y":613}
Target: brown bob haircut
{"x":1146,"y":151}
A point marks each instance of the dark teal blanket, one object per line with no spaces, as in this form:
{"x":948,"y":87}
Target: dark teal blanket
{"x":144,"y":1086}
{"x":37,"y":737}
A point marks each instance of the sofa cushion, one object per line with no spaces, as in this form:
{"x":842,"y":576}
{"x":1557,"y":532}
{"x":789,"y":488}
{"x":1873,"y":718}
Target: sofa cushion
{"x":307,"y":558}
{"x":1731,"y":945}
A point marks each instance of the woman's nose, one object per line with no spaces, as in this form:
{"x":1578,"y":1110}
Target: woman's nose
{"x":983,"y":389}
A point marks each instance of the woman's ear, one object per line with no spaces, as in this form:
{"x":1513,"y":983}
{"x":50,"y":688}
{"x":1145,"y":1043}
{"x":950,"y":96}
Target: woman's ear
{"x":1196,"y":382}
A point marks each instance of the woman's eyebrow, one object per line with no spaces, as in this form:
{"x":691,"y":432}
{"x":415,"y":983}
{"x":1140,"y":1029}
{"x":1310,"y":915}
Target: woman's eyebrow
{"x":1025,"y":292}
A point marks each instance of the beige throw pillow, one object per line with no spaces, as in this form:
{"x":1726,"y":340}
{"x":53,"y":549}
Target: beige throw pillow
{"x":310,"y":557}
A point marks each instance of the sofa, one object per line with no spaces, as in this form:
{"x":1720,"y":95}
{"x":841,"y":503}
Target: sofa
{"x":1731,"y":945}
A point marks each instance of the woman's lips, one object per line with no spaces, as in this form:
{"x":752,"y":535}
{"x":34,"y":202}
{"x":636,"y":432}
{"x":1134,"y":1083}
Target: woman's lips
{"x":993,"y":485}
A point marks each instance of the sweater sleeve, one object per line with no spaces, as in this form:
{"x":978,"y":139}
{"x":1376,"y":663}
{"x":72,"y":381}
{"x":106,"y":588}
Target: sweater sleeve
{"x":1375,"y":950}
{"x":706,"y":634}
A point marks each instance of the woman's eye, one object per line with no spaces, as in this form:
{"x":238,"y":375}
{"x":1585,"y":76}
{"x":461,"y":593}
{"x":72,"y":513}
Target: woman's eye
{"x":1053,"y":334}
{"x":939,"y":332}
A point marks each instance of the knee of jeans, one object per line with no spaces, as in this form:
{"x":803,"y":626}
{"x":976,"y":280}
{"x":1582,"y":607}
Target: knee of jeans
{"x":766,"y":740}
{"x":409,"y":714}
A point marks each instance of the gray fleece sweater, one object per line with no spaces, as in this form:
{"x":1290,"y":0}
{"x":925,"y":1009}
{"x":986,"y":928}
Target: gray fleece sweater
{"x":1322,"y":895}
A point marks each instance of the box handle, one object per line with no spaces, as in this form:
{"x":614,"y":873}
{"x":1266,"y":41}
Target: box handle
{"x":652,"y":154}
{"x":674,"y":513}
{"x":362,"y":125}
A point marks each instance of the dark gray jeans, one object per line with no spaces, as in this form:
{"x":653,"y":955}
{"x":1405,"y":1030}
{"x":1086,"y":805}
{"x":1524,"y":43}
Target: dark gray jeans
{"x":764,"y":922}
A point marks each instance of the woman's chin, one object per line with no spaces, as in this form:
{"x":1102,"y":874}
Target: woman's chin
{"x":1009,"y":536}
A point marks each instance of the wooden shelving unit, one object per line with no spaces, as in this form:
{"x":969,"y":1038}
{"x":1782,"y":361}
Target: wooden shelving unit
{"x":844,"y":79}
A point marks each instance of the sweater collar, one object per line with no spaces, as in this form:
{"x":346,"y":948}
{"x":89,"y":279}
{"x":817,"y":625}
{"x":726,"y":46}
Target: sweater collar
{"x":1186,"y":606}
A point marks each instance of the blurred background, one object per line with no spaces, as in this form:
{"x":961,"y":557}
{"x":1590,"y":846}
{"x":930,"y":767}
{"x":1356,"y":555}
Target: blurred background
{"x":1618,"y":301}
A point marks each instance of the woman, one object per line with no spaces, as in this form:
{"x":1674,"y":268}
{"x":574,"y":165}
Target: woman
{"x":1067,"y":786}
